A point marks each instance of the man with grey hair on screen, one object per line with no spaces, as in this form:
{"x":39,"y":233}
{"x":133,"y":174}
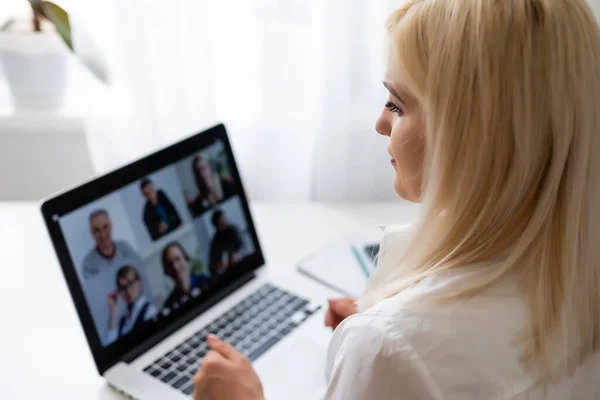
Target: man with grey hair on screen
{"x":108,"y":253}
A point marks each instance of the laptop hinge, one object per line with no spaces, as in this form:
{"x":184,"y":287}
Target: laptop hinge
{"x":187,"y":317}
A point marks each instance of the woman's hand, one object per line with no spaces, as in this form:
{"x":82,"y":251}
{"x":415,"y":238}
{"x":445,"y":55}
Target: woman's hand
{"x":163,"y":227}
{"x":226,"y":374}
{"x":339,"y":310}
{"x":113,"y":308}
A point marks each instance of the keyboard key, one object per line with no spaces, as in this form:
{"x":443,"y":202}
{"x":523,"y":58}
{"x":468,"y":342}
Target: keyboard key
{"x":201,"y":336}
{"x":191,"y":371}
{"x":239,"y":310}
{"x":203,"y":347}
{"x":181,"y":367}
{"x":256,"y":336}
{"x":155,"y":373}
{"x":180,"y":382}
{"x":255,"y":297}
{"x":260,"y":350}
{"x":288,"y":311}
{"x":247,"y":342}
{"x":201,"y":352}
{"x":165,"y":365}
{"x":312,"y":311}
{"x":192,"y":360}
{"x":298,"y":305}
{"x":193,"y":340}
{"x":188,"y":389}
{"x":287,"y":329}
{"x":247,"y":303}
{"x":185,"y":351}
{"x":264,"y":330}
{"x":230,"y":316}
{"x":168,"y":377}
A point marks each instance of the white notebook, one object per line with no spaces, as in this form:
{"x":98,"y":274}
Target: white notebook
{"x":344,"y":266}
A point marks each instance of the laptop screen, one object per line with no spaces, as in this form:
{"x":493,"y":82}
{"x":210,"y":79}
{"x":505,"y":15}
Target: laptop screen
{"x":160,"y":241}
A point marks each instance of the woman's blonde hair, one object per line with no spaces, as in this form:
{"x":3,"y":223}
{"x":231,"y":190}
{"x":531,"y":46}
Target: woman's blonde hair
{"x":510,"y":90}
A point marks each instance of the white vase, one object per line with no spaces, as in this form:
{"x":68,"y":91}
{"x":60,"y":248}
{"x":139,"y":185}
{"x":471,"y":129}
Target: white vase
{"x":36,"y":67}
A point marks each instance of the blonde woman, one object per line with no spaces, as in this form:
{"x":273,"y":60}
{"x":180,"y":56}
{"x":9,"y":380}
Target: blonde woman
{"x":494,"y":128}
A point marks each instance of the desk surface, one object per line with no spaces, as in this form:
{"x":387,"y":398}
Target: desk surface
{"x":43,"y":352}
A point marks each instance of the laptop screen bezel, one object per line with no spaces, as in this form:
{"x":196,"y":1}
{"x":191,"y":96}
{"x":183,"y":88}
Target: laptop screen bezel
{"x":62,"y":204}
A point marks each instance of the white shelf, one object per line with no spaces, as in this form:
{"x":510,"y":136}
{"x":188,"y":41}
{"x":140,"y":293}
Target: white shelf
{"x":42,"y":151}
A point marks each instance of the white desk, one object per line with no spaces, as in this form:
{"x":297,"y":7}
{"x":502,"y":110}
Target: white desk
{"x":43,"y":352}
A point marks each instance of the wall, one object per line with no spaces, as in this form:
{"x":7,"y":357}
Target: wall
{"x":36,"y":161}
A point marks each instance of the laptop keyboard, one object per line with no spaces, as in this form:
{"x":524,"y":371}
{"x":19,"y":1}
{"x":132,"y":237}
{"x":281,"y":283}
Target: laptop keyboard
{"x":252,"y":326}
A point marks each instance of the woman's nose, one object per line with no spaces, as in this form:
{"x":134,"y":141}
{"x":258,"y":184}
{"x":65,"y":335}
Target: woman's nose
{"x":383,"y":126}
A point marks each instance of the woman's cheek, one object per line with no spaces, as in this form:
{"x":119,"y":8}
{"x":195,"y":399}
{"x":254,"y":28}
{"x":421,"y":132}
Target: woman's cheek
{"x":407,"y":145}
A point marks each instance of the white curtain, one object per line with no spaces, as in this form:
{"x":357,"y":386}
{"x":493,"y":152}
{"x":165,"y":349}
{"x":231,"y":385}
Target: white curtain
{"x":297,"y":83}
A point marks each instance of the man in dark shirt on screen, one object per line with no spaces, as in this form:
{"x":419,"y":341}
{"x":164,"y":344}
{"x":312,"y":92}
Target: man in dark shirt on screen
{"x":225,"y":246}
{"x":160,"y":216}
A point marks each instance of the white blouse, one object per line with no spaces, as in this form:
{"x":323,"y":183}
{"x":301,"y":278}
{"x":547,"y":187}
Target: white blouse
{"x":460,"y":351}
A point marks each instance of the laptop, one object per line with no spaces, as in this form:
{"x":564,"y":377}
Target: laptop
{"x":162,"y":252}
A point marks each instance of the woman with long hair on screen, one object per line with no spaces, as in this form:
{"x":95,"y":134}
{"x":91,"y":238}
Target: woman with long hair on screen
{"x":206,"y":182}
{"x":177,"y":265}
{"x":494,"y":292}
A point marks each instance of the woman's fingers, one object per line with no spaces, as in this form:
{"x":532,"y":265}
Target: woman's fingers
{"x":328,"y":318}
{"x":223,"y":348}
{"x":339,"y":309}
{"x":343,"y":308}
{"x":213,"y":365}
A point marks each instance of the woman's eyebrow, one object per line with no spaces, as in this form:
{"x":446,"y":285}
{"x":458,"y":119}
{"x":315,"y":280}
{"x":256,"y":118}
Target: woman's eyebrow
{"x":393,"y":92}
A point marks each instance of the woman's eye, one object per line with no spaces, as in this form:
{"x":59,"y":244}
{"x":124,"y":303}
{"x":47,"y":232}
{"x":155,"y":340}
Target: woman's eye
{"x":393,"y":107}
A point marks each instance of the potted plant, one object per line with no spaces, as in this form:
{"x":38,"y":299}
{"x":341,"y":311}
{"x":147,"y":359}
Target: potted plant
{"x":35,"y":52}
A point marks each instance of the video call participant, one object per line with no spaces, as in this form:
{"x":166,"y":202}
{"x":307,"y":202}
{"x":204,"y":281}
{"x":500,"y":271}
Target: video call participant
{"x":108,"y":253}
{"x":177,"y":265}
{"x":160,"y":216}
{"x":212,"y":188}
{"x":139,"y":308}
{"x":225,"y":246}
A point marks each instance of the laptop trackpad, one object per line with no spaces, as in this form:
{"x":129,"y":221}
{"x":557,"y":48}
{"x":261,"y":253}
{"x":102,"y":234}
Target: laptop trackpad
{"x":299,"y":373}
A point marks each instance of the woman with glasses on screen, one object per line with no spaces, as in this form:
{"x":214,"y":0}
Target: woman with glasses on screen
{"x":494,"y":292}
{"x":139,"y":308}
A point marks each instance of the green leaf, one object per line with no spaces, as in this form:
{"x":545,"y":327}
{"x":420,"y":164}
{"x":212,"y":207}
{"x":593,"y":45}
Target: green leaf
{"x":60,"y":19}
{"x":36,"y":5}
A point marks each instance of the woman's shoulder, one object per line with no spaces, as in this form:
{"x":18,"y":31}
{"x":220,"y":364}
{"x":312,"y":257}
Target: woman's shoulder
{"x":469,"y":344}
{"x":368,"y":360}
